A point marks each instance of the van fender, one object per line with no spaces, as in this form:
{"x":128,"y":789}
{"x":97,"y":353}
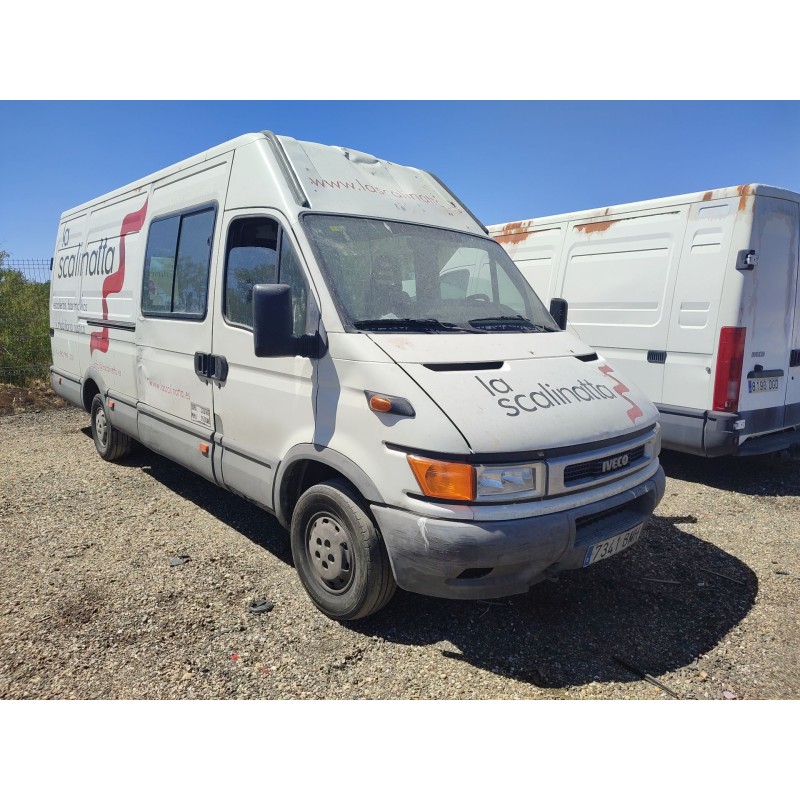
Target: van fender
{"x":329,"y":458}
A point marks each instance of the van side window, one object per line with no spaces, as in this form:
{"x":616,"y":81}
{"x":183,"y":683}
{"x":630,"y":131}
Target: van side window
{"x":254,"y":244}
{"x":176,"y":265}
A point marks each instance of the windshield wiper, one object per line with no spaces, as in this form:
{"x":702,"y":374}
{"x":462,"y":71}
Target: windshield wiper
{"x":404,"y":323}
{"x":514,"y":323}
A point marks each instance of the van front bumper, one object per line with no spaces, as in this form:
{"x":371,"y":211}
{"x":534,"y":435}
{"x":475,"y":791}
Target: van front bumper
{"x":483,"y":560}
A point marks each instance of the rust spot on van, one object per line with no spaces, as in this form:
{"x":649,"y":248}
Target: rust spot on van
{"x":707,"y":196}
{"x":595,"y":227}
{"x":743,"y":191}
{"x":513,"y":233}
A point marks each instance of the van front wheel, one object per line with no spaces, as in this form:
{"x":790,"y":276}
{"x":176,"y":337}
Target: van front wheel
{"x":110,"y":443}
{"x":339,"y":554}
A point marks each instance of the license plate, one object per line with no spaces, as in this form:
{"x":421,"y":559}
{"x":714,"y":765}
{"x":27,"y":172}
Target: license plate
{"x":610,"y":547}
{"x":763,"y":385}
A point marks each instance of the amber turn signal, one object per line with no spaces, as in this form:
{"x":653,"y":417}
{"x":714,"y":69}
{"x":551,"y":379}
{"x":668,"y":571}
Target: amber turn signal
{"x":446,"y":480}
{"x":378,"y":403}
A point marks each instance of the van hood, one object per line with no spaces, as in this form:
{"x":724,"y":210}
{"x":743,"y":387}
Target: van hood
{"x":511,"y":393}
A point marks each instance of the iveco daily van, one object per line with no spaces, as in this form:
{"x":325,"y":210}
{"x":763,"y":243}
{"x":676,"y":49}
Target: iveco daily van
{"x":337,"y":338}
{"x":695,"y":297}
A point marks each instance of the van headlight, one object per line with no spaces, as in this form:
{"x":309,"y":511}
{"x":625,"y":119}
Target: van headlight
{"x":515,"y":482}
{"x":448,"y":480}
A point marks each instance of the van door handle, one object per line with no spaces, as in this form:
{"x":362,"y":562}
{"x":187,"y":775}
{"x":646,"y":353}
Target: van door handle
{"x":211,"y":367}
{"x":217,"y":368}
{"x":201,"y":364}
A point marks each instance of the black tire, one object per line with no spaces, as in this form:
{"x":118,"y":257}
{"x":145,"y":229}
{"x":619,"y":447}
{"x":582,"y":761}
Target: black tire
{"x":110,"y":443}
{"x":339,"y":553}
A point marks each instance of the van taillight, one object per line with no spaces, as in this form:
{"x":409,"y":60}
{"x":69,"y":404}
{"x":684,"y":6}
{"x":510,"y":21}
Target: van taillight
{"x":729,"y":369}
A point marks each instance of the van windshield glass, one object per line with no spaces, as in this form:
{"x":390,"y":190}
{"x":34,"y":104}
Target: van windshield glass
{"x":394,"y":276}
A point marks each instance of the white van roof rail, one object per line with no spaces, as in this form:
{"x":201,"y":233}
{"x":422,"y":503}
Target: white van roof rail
{"x":457,"y":199}
{"x":288,"y":171}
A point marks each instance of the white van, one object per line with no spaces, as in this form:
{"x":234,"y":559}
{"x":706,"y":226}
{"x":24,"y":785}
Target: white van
{"x":695,"y":297}
{"x":300,"y":325}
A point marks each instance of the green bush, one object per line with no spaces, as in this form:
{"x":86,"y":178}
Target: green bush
{"x":24,"y":327}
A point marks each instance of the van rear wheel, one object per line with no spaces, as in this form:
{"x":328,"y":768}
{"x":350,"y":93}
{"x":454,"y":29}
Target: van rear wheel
{"x":339,"y":553}
{"x":110,"y":443}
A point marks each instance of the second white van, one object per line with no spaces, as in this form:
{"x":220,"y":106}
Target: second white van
{"x":695,"y":297}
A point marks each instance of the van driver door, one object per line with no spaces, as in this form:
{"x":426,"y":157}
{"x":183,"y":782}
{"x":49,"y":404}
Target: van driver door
{"x":264,"y":405}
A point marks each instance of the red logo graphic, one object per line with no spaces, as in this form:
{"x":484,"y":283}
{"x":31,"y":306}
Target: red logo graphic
{"x":633,"y":413}
{"x":132,"y":223}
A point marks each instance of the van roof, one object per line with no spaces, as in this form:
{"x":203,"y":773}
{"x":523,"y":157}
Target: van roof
{"x":138,"y":185}
{"x":336,"y":179}
{"x":742,"y":191}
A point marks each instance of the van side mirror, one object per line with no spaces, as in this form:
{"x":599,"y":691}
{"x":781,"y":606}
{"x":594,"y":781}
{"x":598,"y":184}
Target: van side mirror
{"x":272,"y":320}
{"x":558,"y":311}
{"x":273,"y":324}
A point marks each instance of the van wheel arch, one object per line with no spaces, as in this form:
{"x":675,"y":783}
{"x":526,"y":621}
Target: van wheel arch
{"x":88,"y":392}
{"x":306,"y":466}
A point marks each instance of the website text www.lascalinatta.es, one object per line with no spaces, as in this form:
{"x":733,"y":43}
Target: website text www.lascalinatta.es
{"x":358,"y":186}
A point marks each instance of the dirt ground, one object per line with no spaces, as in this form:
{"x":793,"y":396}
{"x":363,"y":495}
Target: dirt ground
{"x":36,"y":397}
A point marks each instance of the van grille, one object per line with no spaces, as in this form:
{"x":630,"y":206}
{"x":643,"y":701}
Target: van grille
{"x":602,"y":466}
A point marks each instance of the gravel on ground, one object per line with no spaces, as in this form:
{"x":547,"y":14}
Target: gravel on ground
{"x":134,"y":580}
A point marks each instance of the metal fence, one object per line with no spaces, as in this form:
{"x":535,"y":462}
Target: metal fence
{"x":24,"y":320}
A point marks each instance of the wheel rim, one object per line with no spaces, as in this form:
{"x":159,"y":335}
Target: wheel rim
{"x":101,"y":426}
{"x":330,"y":553}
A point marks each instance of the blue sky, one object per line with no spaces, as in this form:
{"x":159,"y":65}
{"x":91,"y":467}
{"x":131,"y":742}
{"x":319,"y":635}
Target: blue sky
{"x":506,"y":160}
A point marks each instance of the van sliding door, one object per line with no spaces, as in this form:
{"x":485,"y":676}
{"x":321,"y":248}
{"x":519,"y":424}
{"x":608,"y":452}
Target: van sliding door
{"x":173,"y":332}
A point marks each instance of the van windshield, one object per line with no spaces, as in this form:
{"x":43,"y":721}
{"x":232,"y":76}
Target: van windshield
{"x":394,"y":276}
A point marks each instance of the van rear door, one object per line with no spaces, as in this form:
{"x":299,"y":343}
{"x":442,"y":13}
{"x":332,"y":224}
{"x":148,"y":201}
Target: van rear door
{"x":769,"y":304}
{"x":793,"y":377}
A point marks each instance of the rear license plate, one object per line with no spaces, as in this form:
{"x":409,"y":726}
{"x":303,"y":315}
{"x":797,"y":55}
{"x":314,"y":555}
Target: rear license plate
{"x":763,"y":385}
{"x":610,"y":547}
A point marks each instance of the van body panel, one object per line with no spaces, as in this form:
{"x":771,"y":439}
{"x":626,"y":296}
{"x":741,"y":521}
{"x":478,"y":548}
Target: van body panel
{"x":654,"y":304}
{"x":495,"y":408}
{"x":152,"y":307}
{"x":379,"y":442}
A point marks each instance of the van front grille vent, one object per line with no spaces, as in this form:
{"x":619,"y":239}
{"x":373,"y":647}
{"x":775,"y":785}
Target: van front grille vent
{"x":465,"y":366}
{"x":602,"y":466}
